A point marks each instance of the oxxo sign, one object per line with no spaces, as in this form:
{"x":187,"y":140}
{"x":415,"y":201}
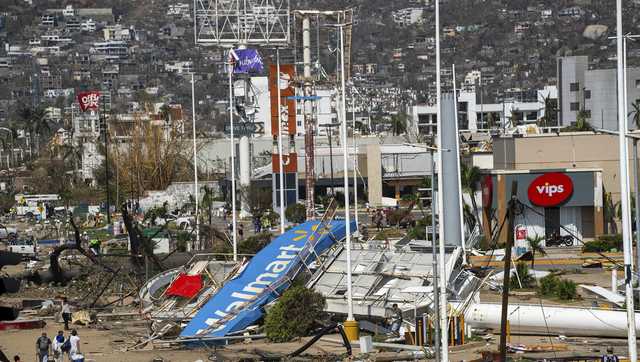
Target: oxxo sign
{"x":550,"y":189}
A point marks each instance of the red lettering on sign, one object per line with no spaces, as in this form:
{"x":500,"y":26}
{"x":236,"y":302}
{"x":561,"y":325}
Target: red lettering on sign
{"x":550,"y":189}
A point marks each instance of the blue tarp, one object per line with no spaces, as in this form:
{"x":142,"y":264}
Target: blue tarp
{"x":238,"y":304}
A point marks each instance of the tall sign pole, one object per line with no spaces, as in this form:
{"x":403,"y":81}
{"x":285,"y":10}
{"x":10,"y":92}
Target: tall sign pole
{"x":624,"y":188}
{"x":309,"y":151}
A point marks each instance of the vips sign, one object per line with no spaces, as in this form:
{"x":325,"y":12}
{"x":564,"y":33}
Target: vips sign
{"x":88,"y":100}
{"x":550,"y":189}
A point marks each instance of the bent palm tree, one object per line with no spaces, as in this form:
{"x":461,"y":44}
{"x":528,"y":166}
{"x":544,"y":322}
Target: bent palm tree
{"x":469,"y":179}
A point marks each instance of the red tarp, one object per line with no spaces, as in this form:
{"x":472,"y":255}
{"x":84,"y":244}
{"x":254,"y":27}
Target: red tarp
{"x":185,"y":286}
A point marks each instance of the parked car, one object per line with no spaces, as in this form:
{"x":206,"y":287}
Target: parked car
{"x":28,"y":248}
{"x":8,"y":233}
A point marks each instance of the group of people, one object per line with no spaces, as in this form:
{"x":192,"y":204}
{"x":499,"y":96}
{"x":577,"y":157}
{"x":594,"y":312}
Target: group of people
{"x":54,"y":351}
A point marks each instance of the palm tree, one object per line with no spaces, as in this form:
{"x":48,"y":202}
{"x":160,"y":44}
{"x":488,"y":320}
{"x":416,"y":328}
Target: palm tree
{"x":399,"y":124}
{"x":610,"y":214}
{"x":207,"y":202}
{"x":636,"y":113}
{"x":550,"y":111}
{"x":535,"y":243}
{"x":469,"y":179}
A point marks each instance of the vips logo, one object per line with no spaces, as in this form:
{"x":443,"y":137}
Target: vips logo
{"x":550,"y":189}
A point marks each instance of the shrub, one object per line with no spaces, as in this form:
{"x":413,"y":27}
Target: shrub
{"x":566,"y":290}
{"x":552,"y":286}
{"x":547,"y":285}
{"x":254,"y":244}
{"x":294,"y":314}
{"x":603,"y":244}
{"x":296,"y":213}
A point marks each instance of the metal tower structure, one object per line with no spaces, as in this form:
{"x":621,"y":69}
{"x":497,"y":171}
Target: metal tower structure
{"x":241,"y":22}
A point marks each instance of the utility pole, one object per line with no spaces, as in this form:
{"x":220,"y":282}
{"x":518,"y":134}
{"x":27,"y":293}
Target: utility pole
{"x":105,"y":130}
{"x":280,"y":163}
{"x":196,"y":188}
{"x":507,"y":271}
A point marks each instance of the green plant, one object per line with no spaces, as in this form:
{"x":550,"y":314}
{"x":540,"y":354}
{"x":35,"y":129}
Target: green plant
{"x":296,"y":213}
{"x":419,"y":230}
{"x":566,"y":290}
{"x":182,"y":238}
{"x":603,"y":243}
{"x":254,"y":243}
{"x":552,"y":286}
{"x":547,"y":285}
{"x":294,"y":314}
{"x":523,"y":280}
{"x":535,"y":243}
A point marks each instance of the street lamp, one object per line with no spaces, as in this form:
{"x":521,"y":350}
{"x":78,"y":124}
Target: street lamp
{"x":624,"y":188}
{"x":351,"y":325}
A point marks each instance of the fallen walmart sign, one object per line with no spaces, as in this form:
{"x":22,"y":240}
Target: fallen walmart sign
{"x":239,"y":303}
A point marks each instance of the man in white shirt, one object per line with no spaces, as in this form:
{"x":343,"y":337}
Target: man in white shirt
{"x":74,"y":340}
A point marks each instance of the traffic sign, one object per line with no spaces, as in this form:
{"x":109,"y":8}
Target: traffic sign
{"x":241,"y":129}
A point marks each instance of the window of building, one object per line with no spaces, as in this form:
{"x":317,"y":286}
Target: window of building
{"x":637,"y":83}
{"x":587,"y":113}
{"x":574,"y":87}
{"x":574,"y":106}
{"x":587,"y":94}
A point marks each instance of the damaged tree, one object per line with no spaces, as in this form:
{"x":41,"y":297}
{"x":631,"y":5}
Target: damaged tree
{"x":54,"y":263}
{"x":141,"y":246}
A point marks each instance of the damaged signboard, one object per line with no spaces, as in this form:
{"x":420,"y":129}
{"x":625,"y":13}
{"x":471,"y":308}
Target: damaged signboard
{"x":238,"y":304}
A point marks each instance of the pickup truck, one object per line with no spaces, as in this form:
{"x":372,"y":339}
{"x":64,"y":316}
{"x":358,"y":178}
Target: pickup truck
{"x":27,"y":248}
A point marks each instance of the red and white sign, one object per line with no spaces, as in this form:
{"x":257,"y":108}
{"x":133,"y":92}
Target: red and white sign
{"x":89,"y":100}
{"x":550,"y":189}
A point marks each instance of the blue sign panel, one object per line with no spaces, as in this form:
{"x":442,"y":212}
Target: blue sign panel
{"x":238,"y":304}
{"x":247,"y":61}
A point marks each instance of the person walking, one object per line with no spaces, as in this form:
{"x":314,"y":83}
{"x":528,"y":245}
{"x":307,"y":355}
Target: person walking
{"x":58,"y":341}
{"x":43,"y":348}
{"x":66,"y":313}
{"x":241,"y":231}
{"x":74,"y":342}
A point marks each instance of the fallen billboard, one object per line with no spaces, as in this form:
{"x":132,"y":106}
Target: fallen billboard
{"x":238,"y":304}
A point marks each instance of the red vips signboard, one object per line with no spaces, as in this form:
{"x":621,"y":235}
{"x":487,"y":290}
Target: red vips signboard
{"x":88,"y":100}
{"x":550,"y":189}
